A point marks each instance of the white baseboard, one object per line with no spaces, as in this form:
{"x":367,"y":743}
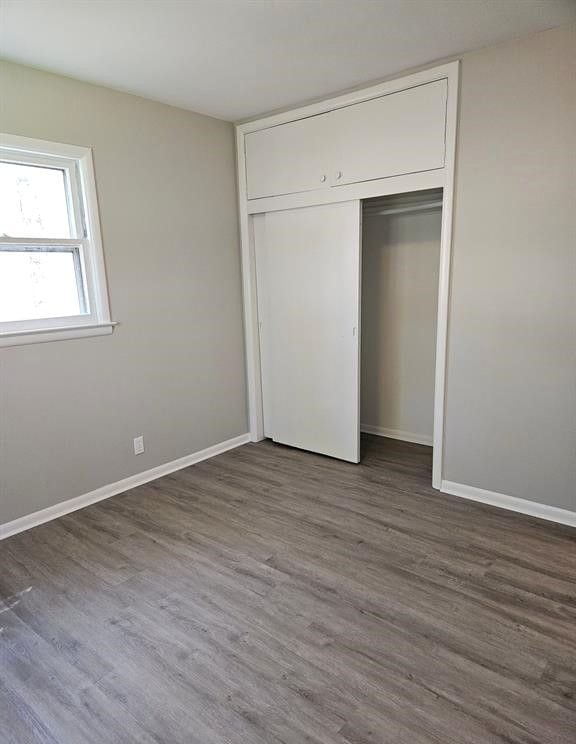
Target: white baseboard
{"x":79,"y":502}
{"x":512,"y":503}
{"x":404,"y":436}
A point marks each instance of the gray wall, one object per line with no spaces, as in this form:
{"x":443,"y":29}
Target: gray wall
{"x":400,"y":257}
{"x":511,"y":400}
{"x":174,"y":368}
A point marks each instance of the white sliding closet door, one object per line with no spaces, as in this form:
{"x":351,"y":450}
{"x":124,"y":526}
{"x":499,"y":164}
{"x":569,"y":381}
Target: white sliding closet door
{"x":311,"y":327}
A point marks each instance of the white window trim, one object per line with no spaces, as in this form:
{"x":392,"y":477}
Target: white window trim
{"x":77,"y":161}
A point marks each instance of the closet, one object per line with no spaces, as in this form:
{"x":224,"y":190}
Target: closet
{"x":316,"y":267}
{"x":345,"y":215}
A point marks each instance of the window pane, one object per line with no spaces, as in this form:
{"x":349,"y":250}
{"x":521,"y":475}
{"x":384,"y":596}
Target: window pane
{"x":33,"y":202}
{"x":35,"y":284}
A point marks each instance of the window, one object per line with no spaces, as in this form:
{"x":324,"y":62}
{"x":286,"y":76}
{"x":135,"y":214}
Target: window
{"x":52,"y":280}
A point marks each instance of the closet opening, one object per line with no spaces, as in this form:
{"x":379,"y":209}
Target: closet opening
{"x":401,"y":237}
{"x":347,"y":308}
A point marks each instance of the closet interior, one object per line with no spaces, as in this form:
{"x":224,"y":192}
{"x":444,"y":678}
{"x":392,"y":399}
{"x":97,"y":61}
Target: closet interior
{"x":400,"y":264}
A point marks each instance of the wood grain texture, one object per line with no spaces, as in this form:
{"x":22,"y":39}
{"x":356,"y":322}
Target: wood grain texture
{"x":274,"y":596}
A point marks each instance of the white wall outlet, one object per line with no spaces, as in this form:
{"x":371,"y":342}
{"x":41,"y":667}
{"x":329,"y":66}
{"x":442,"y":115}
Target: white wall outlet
{"x":138,"y":445}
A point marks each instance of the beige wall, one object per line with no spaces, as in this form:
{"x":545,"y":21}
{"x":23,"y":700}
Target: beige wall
{"x":511,"y":399}
{"x":174,"y":368}
{"x":400,"y":257}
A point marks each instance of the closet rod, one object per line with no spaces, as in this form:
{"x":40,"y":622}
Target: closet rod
{"x":375,"y":211}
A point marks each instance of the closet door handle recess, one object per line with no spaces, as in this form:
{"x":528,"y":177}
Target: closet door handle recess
{"x":323,"y":178}
{"x":339,"y":175}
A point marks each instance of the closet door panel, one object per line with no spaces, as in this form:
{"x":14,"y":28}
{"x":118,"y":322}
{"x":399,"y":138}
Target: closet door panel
{"x":393,"y":135}
{"x":289,"y":158}
{"x":313,"y":276}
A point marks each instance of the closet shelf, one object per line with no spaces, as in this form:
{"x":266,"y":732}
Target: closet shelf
{"x":384,"y":211}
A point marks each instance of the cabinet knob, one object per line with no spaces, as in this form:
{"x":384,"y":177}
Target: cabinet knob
{"x":339,"y":175}
{"x":322,"y":178}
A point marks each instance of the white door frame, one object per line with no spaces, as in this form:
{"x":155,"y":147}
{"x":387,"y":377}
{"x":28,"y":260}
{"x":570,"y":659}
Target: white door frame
{"x":441,"y":177}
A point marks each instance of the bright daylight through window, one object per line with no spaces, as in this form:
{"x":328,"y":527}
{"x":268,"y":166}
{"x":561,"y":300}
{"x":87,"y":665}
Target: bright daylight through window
{"x":52,"y":282}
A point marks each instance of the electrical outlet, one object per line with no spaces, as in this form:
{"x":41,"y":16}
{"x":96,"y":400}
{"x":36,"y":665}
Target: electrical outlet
{"x":138,"y":445}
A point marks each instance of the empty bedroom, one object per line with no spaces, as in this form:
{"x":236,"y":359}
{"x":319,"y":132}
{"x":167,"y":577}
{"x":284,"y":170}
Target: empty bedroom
{"x":287,"y":372}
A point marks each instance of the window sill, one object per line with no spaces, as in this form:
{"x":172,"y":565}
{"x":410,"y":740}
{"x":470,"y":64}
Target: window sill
{"x":62,"y":333}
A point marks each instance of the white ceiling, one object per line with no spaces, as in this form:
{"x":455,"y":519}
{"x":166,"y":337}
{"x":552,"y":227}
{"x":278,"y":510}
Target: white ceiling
{"x":238,"y":58}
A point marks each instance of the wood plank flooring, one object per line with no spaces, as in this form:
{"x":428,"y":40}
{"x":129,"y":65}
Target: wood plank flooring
{"x":274,"y":596}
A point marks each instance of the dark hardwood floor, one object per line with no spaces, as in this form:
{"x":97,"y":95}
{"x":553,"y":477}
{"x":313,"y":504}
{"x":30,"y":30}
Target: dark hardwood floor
{"x":269,"y":595}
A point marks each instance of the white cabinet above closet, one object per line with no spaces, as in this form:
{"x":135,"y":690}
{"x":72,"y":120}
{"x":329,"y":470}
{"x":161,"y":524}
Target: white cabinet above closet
{"x":289,"y":158}
{"x":390,"y":135}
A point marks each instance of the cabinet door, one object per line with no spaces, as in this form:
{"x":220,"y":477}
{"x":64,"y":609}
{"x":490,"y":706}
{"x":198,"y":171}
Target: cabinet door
{"x":289,"y":158}
{"x":389,"y":136}
{"x":312,"y":318}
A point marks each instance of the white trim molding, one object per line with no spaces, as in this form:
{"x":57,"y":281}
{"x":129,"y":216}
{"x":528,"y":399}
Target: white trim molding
{"x":403,"y":436}
{"x":444,"y":273}
{"x":19,"y":338}
{"x":112,"y":489}
{"x":511,"y":503}
{"x":421,"y":181}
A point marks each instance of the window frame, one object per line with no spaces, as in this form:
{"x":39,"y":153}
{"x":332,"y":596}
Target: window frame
{"x":85,"y":242}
